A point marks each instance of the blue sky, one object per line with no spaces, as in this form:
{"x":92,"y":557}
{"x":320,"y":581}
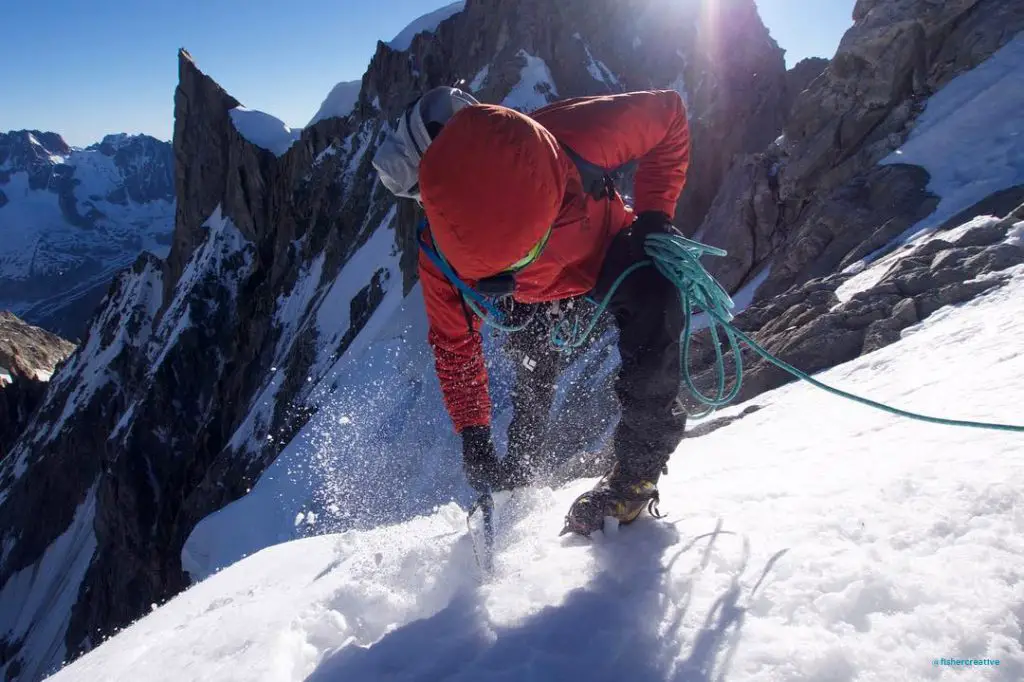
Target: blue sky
{"x":85,"y":68}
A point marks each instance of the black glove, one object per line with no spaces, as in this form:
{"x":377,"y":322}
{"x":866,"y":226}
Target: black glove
{"x":647,"y":223}
{"x":479,"y":460}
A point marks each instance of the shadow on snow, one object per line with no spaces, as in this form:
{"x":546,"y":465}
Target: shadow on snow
{"x":626,"y":624}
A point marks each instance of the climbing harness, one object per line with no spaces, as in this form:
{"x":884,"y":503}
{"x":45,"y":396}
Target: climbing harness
{"x":678,"y":259}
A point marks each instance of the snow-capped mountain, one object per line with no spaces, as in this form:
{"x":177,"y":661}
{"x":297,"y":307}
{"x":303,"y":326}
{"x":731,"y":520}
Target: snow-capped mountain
{"x":343,"y":96}
{"x":274,"y":367}
{"x":426,"y":23}
{"x":73,"y":217}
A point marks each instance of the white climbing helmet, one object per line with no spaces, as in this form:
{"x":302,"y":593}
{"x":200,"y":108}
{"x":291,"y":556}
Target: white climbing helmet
{"x":398,"y":158}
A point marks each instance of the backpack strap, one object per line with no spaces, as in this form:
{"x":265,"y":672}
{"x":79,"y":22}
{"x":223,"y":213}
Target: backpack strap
{"x":598,"y":181}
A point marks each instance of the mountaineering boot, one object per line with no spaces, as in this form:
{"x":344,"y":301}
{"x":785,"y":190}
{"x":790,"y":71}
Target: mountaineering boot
{"x":619,"y":494}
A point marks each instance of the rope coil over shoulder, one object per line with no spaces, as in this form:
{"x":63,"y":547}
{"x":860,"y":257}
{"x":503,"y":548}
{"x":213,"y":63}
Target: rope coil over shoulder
{"x":678,"y":259}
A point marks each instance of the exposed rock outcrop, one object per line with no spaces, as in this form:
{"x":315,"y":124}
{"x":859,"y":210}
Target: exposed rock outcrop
{"x":800,"y":77}
{"x":816,"y":198}
{"x":837,"y":317}
{"x":28,"y":357}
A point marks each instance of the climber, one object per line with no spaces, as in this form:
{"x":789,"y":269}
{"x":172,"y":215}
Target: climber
{"x":515,"y":212}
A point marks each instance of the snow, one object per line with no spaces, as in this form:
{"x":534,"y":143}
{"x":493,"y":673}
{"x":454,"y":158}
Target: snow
{"x":37,"y":602}
{"x":863,"y":550}
{"x":865,"y":278}
{"x":428,"y":22}
{"x":32,"y":221}
{"x":970,"y":137}
{"x":292,"y":307}
{"x":263,"y":130}
{"x":69,"y":261}
{"x":742,"y":298}
{"x":289,"y":318}
{"x":534,"y":86}
{"x":5,"y":377}
{"x":1016,"y":235}
{"x":365,"y":136}
{"x":339,"y":101}
{"x":480,"y":78}
{"x":597,"y":69}
{"x":334,"y":308}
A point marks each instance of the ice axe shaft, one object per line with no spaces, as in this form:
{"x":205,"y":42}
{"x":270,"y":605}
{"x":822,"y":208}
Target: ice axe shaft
{"x":485,"y":503}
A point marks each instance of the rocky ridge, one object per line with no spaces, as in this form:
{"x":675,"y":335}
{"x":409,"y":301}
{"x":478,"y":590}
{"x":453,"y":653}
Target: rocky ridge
{"x":28,"y":358}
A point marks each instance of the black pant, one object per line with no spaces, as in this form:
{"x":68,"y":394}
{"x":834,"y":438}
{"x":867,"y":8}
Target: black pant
{"x":647,"y":311}
{"x":538,"y":366}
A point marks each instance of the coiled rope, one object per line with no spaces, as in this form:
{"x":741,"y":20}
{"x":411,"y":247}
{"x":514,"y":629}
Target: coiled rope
{"x":678,"y":259}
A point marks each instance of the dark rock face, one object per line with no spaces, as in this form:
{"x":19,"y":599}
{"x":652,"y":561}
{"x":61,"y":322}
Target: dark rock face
{"x":816,"y":200}
{"x":800,"y":77}
{"x":28,"y":356}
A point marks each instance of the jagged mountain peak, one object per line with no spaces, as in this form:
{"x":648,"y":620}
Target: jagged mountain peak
{"x":25,"y":149}
{"x":138,"y":143}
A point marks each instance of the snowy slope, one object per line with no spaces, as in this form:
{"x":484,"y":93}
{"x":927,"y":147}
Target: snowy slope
{"x":536,"y":87}
{"x":974,"y":120}
{"x":357,"y":467}
{"x":37,"y":601}
{"x":864,"y":549}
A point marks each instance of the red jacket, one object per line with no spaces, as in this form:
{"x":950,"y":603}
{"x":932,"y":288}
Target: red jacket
{"x":495,"y":180}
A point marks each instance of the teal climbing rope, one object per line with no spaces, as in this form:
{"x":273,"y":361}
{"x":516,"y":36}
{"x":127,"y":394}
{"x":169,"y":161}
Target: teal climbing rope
{"x":678,"y":259}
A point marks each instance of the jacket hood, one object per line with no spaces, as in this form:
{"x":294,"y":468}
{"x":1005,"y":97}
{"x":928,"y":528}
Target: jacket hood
{"x":492,"y":184}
